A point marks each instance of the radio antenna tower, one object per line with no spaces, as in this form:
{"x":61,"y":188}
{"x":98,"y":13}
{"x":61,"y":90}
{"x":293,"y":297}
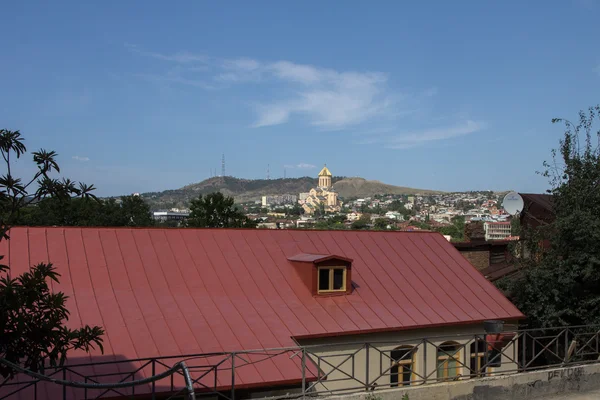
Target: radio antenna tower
{"x":284,"y":173}
{"x":223,"y":165}
{"x":268,"y":172}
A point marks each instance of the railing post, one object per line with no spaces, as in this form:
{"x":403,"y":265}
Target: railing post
{"x":233,"y":376}
{"x":425,"y":372}
{"x":64,"y":377}
{"x":304,"y":373}
{"x":566,"y":358}
{"x":153,"y":382}
{"x":367,"y":366}
{"x":85,"y":396}
{"x":523,"y":350}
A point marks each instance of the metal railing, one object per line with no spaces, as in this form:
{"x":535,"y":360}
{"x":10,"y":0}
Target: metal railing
{"x":325,"y":368}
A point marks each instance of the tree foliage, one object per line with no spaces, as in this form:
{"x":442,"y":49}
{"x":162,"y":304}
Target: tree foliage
{"x":32,"y":317}
{"x":32,"y":322}
{"x":217,"y":211}
{"x":53,"y":211}
{"x":381,"y":224}
{"x":362,"y":223}
{"x":560,"y":284}
{"x":456,"y":230}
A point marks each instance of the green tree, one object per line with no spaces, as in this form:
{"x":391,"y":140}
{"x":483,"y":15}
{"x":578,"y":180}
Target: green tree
{"x":381,"y":224}
{"x":377,"y":210}
{"x":560,"y":284}
{"x":361,"y":223}
{"x":456,"y":230}
{"x":56,"y":211}
{"x":398,"y":206}
{"x":515,"y":226}
{"x":32,"y":318}
{"x":217,"y":211}
{"x":135,"y":211}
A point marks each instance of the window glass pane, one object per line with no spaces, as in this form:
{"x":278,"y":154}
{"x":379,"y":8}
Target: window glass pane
{"x":440,"y":368}
{"x":324,"y":279}
{"x":394,"y":376}
{"x":406,"y":371}
{"x":495,"y":358}
{"x":338,"y":279}
{"x":452,"y":367}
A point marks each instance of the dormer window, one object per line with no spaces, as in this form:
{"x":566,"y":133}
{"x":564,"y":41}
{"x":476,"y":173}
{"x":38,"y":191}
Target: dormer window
{"x":332,"y":279}
{"x":324,"y":274}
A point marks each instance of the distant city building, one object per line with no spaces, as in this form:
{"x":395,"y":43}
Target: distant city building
{"x":394,"y":215}
{"x":171,"y":215}
{"x":303,"y":196}
{"x":305,"y":221}
{"x":322,"y":196}
{"x":353,"y":216}
{"x":497,"y":230}
{"x":279,"y":200}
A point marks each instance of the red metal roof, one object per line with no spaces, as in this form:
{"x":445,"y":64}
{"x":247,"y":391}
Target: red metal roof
{"x":160,"y":292}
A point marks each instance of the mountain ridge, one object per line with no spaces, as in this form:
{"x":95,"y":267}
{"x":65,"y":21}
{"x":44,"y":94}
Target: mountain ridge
{"x":252,"y":189}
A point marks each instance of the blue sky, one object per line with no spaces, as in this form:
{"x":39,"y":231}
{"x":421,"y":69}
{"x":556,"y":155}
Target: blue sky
{"x":139,"y":96}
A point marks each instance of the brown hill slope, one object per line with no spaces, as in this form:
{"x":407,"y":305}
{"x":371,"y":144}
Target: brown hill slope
{"x":252,"y":189}
{"x":360,"y":187}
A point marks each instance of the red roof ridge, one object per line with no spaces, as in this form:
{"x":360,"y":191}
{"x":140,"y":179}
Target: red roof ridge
{"x":219,"y":229}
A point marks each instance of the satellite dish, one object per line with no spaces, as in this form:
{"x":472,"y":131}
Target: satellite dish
{"x":513,"y":203}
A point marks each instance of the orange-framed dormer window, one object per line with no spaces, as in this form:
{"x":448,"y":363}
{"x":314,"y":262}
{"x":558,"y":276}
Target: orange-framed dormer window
{"x":331,"y":279}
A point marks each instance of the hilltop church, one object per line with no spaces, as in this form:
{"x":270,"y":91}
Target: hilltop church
{"x":323,"y":195}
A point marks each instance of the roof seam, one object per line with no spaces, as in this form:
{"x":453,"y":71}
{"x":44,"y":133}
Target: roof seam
{"x":399,"y":270}
{"x":442,"y":286}
{"x":375,"y":293}
{"x":168,"y":286}
{"x":139,"y":256}
{"x":468,"y":300}
{"x":356,"y":293}
{"x":294,"y":291}
{"x":334,"y":300}
{"x":277,"y":291}
{"x":393,"y":283}
{"x":418,"y":276}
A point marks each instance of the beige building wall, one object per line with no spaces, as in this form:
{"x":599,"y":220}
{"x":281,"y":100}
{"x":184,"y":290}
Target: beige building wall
{"x":350,"y":355}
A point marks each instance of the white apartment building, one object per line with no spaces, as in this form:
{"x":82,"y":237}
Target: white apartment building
{"x":497,"y":230}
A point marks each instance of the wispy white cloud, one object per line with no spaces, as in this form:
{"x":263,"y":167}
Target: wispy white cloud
{"x":182,"y":57}
{"x":326,"y":98}
{"x":300,"y":166}
{"x":417,"y":138}
{"x":80,"y":158}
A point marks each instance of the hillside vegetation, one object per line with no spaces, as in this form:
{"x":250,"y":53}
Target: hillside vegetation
{"x":252,"y":189}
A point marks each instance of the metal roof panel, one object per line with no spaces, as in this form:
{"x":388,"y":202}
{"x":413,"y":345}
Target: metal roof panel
{"x":177,"y":291}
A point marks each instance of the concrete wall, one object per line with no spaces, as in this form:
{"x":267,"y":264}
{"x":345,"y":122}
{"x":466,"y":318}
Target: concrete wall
{"x":560,"y":383}
{"x":349,"y":363}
